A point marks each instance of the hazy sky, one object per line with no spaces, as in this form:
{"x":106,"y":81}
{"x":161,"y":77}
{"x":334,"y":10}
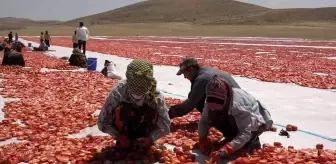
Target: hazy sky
{"x":293,"y":3}
{"x":69,"y":9}
{"x":58,"y":9}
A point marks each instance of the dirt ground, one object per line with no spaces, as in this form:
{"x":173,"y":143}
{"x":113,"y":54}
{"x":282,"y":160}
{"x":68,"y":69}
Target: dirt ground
{"x":302,"y":30}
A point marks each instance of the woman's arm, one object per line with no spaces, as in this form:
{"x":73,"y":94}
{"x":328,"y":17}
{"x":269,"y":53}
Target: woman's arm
{"x":105,"y":120}
{"x":163,"y":123}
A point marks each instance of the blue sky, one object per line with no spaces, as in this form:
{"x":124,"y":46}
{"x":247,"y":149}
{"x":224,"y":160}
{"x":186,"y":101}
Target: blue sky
{"x":70,"y":9}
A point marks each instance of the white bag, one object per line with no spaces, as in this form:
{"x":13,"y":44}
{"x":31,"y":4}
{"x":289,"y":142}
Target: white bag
{"x":112,"y":71}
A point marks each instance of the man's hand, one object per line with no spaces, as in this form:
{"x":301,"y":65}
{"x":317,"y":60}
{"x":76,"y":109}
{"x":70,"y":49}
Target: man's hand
{"x":173,"y":111}
{"x":226,"y":149}
{"x":223,"y":152}
{"x":216,"y":156}
{"x":205,"y":145}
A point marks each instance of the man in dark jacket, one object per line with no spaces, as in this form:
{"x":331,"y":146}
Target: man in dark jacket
{"x":199,"y":78}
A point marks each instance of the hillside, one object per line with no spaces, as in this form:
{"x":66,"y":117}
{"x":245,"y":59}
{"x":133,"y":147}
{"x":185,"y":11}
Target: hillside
{"x":283,"y":16}
{"x":174,"y":11}
{"x":10,"y":23}
{"x":206,"y":12}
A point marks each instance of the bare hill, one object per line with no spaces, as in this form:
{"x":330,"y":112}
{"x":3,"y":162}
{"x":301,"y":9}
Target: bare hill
{"x":10,"y":23}
{"x":174,"y":11}
{"x":206,"y":12}
{"x":283,"y":16}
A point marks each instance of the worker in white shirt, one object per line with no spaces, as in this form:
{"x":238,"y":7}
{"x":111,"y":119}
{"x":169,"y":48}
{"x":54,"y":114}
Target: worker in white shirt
{"x":82,"y":34}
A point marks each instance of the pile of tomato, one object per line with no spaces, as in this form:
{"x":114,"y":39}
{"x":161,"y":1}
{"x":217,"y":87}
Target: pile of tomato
{"x":187,"y":122}
{"x":187,"y":139}
{"x":177,"y":156}
{"x":286,"y":64}
{"x":154,"y":154}
{"x":180,"y":138}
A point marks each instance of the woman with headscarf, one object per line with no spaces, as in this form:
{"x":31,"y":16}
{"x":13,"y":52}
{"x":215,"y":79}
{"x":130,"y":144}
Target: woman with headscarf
{"x":135,"y":111}
{"x":235,"y":113}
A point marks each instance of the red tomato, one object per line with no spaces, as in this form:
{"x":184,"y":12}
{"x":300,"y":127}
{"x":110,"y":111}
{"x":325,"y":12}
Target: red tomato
{"x":319,"y":146}
{"x":277,"y":144}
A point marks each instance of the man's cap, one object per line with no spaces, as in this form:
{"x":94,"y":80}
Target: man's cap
{"x":186,"y":63}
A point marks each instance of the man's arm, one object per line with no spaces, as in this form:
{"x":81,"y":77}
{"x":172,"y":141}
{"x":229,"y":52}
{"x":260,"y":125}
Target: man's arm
{"x":244,"y":124}
{"x":203,"y":125}
{"x":194,"y":98}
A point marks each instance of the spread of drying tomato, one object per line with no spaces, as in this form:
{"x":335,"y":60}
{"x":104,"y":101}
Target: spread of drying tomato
{"x":278,"y":154}
{"x":55,"y":104}
{"x":39,"y":60}
{"x":54,"y":150}
{"x":52,"y":105}
{"x":283,"y":64}
{"x":273,"y":41}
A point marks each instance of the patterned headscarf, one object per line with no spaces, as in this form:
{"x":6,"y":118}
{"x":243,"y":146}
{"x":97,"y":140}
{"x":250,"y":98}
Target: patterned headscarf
{"x":140,"y":80}
{"x":219,"y":94}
